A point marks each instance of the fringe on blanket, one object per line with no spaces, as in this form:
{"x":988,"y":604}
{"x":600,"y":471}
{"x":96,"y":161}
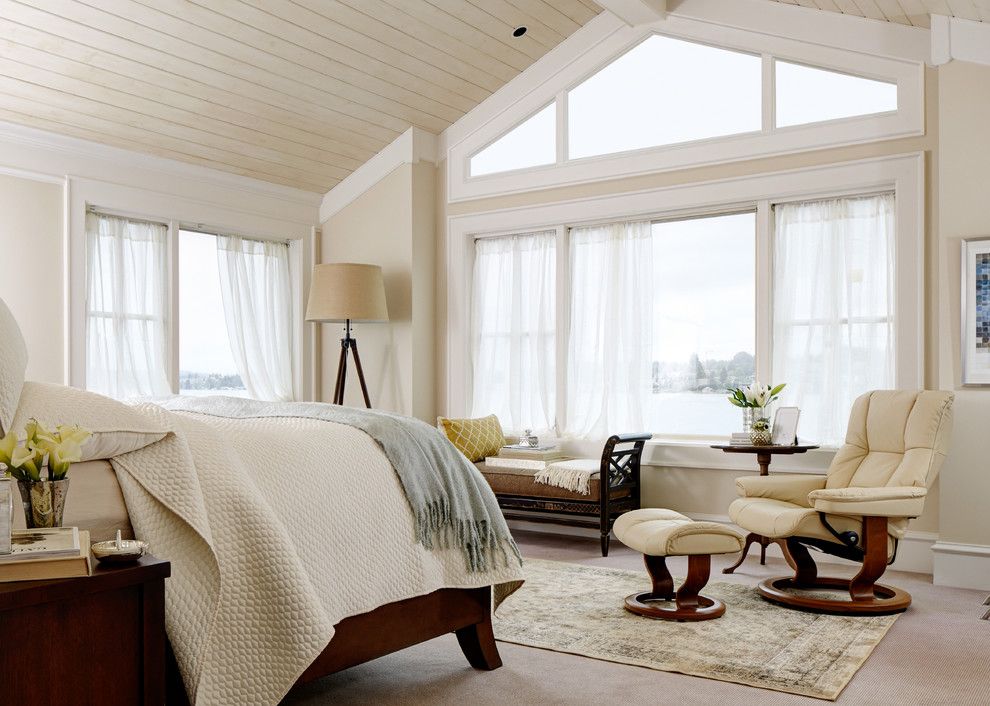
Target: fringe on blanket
{"x":574,"y":479}
{"x":483,"y":548}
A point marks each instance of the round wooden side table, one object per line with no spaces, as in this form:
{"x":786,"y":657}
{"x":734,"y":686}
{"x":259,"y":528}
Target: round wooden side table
{"x":764,"y":454}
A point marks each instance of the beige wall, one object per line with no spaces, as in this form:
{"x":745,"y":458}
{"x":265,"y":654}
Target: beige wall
{"x":392,"y":225}
{"x":963,"y":212}
{"x":33,"y":283}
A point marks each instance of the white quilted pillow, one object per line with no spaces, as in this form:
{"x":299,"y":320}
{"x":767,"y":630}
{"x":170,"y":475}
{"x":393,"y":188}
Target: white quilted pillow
{"x":117,"y":428}
{"x":13,"y":363}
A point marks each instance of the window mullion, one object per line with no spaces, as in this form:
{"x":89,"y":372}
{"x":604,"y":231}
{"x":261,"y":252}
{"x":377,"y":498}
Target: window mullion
{"x":172,"y":269}
{"x":769,"y":95}
{"x":563,"y":278}
{"x":764,"y":292}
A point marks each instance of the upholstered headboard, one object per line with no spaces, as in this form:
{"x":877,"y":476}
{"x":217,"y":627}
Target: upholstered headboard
{"x":13,"y":364}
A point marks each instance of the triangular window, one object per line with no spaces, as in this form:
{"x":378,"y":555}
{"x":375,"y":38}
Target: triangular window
{"x":532,"y":143}
{"x":663,"y":92}
{"x":810,"y":95}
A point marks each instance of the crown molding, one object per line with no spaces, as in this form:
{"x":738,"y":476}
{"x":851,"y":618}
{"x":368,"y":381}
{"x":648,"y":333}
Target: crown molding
{"x":99,"y":161}
{"x":412,"y":146}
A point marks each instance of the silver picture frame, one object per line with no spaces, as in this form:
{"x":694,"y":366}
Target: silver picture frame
{"x":974,"y":277}
{"x":785,"y":423}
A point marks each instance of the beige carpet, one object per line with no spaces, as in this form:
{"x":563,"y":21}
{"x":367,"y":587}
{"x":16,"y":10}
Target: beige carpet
{"x":934,"y":655}
{"x":578,"y":609}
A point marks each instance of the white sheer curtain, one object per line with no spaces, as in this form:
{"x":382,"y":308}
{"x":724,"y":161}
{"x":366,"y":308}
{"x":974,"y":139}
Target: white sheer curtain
{"x":513,"y":330}
{"x":609,"y":352}
{"x":257,"y":303}
{"x":126,"y":306}
{"x":833,"y":307}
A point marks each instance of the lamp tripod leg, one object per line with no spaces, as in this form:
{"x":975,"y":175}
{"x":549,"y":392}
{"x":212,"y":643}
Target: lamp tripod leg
{"x":360,"y":372}
{"x":338,"y":389}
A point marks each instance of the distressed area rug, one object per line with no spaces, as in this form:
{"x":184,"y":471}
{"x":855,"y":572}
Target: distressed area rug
{"x":578,"y":609}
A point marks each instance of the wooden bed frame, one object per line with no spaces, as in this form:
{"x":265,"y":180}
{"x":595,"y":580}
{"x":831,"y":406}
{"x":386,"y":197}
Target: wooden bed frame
{"x":467,"y":612}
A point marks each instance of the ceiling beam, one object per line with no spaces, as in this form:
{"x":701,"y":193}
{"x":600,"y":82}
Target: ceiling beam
{"x":636,"y":12}
{"x":956,"y":38}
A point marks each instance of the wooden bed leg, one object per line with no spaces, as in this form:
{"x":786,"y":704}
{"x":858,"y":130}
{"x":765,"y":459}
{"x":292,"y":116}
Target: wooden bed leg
{"x":478,"y":645}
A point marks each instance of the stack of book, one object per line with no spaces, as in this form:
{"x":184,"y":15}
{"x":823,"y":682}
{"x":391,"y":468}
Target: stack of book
{"x":6,"y":514}
{"x":740,"y":438}
{"x":526,"y":458}
{"x":56,"y":553}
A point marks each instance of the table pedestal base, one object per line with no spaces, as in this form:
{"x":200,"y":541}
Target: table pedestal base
{"x":764,"y":542}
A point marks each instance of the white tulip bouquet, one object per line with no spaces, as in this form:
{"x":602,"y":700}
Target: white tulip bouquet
{"x":755,"y":395}
{"x":57,"y":449}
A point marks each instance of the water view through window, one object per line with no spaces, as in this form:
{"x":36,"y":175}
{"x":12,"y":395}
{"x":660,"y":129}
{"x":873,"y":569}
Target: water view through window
{"x":206,"y":365}
{"x":704,"y":303}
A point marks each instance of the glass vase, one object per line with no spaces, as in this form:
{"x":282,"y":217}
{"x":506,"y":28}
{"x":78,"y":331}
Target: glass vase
{"x":751,"y":414}
{"x":44,"y":501}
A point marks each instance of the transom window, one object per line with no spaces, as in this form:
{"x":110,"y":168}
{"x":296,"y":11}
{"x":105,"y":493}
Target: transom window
{"x":663,"y":92}
{"x":805,"y":94}
{"x":663,"y":317}
{"x":667,"y":92}
{"x":530,"y":144}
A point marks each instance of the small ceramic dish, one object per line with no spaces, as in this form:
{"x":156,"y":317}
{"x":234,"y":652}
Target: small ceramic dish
{"x":119,"y":551}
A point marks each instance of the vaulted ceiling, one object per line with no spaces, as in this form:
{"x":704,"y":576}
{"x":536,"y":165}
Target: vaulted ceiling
{"x":295,"y":92}
{"x":905,"y":12}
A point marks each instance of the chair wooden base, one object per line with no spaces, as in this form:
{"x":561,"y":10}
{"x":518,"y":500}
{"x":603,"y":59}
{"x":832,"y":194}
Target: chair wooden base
{"x":886,"y":599}
{"x":866,"y":596}
{"x":663,"y":603}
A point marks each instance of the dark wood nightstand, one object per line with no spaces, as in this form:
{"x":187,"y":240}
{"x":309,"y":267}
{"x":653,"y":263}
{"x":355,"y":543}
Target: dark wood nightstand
{"x":96,"y":640}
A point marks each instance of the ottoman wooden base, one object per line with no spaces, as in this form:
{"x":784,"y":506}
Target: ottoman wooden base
{"x":663,"y":603}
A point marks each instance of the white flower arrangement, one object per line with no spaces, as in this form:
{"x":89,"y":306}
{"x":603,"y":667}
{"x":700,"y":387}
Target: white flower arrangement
{"x":755,"y":395}
{"x":41,"y":447}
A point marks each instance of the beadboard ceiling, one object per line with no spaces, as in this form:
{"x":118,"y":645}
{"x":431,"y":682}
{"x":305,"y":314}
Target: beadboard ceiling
{"x":294,"y":92}
{"x":905,"y":12}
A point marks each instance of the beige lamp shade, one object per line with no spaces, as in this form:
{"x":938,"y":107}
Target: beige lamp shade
{"x":345,"y":291}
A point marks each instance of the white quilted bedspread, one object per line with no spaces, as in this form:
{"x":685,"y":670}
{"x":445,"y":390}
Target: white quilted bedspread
{"x":277,"y":529}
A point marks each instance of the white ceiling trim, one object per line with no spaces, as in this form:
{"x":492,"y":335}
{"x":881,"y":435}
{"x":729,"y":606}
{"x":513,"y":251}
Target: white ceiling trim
{"x":414,"y":145}
{"x":955,"y":38}
{"x":101,"y":159}
{"x":810,"y":25}
{"x":636,"y":12}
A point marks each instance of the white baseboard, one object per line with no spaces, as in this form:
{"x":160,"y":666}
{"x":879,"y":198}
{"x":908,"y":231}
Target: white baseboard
{"x":962,"y":565}
{"x":914,"y":554}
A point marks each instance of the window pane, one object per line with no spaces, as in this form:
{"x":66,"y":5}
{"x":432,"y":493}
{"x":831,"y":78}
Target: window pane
{"x":704,"y":322}
{"x":127,"y":306}
{"x":206,"y":365}
{"x":529,"y":144}
{"x":833,"y":310}
{"x":662,"y":92}
{"x":808,"y":95}
{"x":513,"y":330}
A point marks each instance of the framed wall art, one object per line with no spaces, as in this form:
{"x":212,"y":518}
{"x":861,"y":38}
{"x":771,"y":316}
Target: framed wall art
{"x":976,"y":311}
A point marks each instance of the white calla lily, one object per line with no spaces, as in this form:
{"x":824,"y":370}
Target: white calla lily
{"x":7,"y":446}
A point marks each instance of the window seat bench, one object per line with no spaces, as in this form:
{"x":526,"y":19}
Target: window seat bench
{"x":522,"y":498}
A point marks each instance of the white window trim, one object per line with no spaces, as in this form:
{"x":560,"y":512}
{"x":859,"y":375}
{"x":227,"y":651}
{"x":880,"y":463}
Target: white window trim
{"x":908,"y":120}
{"x":904,"y":175}
{"x":83,"y":194}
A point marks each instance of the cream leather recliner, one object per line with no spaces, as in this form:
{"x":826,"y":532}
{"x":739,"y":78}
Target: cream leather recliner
{"x":895,"y":445}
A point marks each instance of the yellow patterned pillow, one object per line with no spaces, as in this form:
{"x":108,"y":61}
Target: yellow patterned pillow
{"x":475,"y":438}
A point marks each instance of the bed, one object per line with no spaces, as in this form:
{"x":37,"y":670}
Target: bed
{"x":299,"y":537}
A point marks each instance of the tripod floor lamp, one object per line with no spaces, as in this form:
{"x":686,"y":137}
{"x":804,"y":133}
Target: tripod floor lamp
{"x":347,"y":293}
